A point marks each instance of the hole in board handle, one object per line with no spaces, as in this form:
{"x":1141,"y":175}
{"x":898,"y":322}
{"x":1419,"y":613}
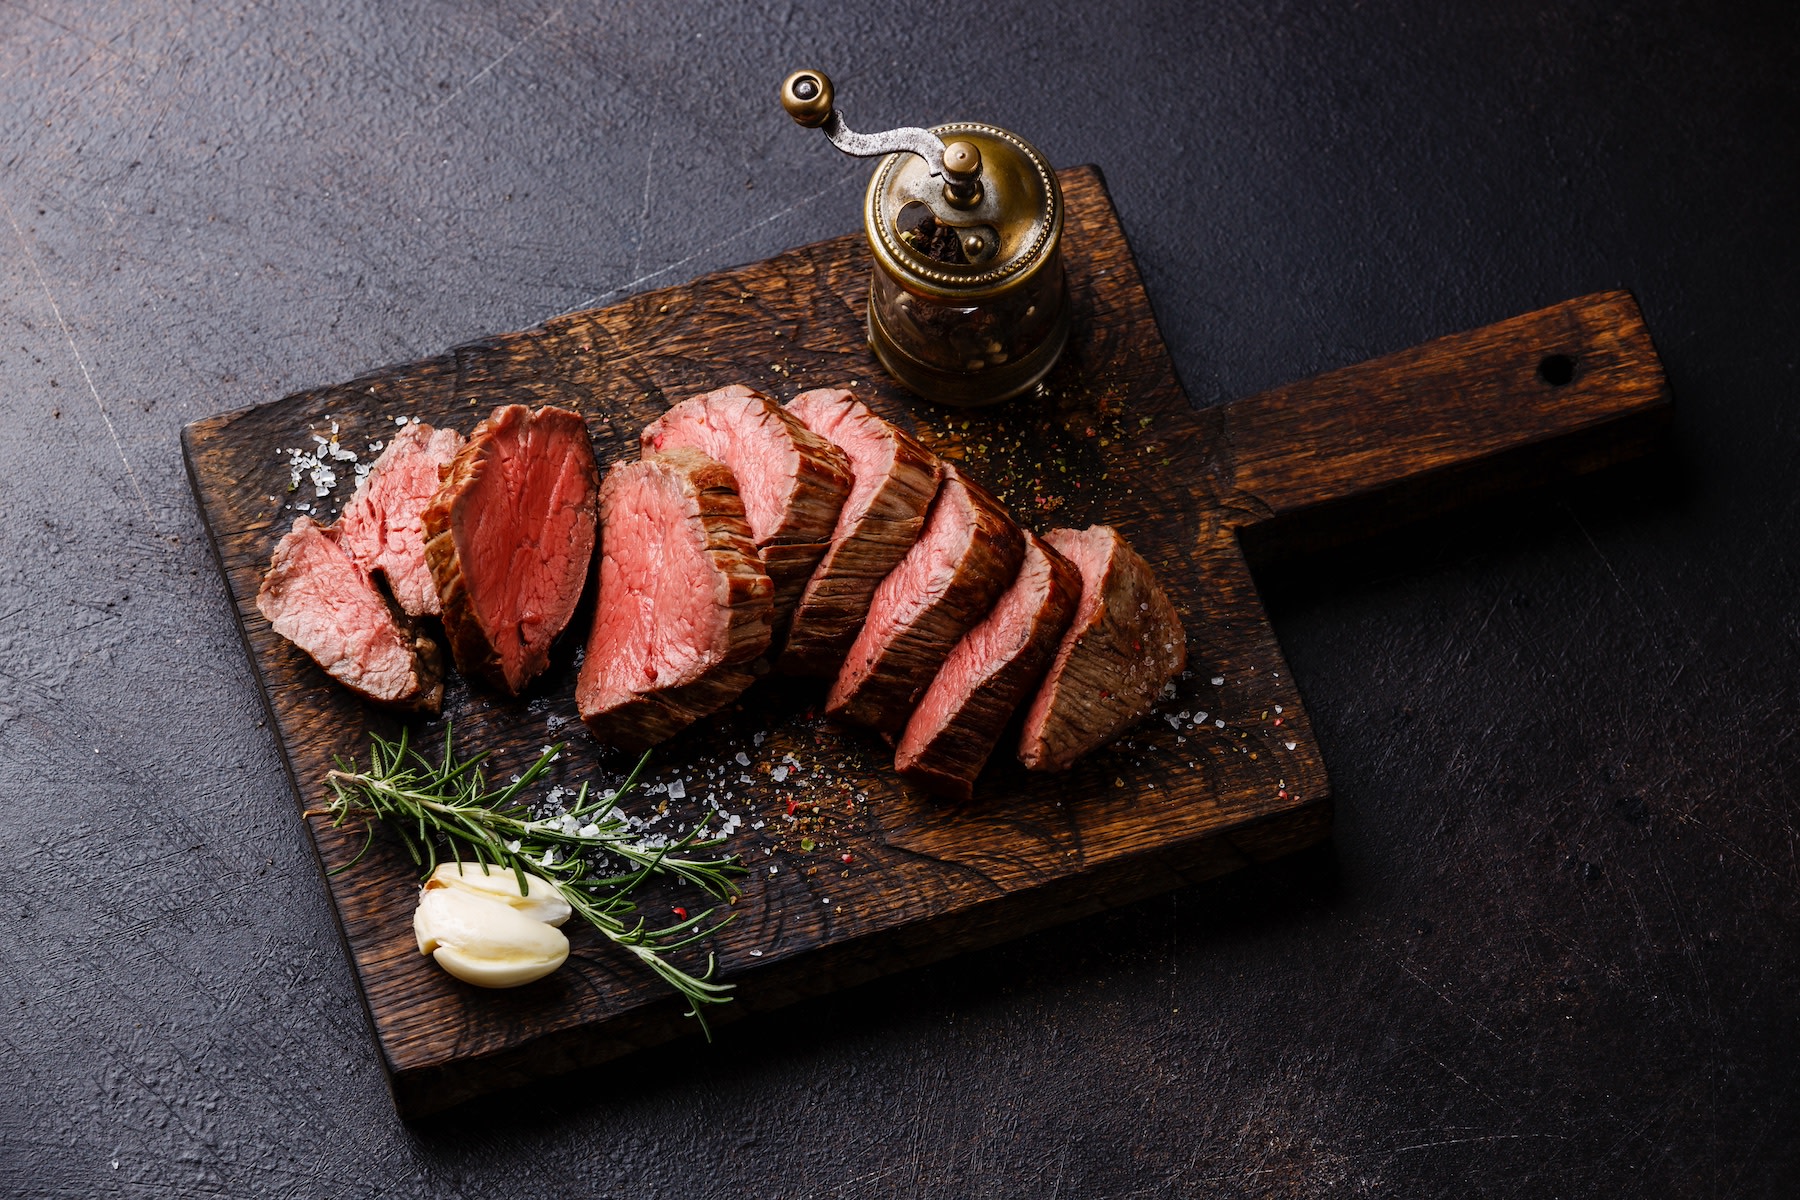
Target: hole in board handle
{"x":1556,"y":369}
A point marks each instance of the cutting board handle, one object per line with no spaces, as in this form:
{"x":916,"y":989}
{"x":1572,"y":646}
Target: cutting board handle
{"x":1565,"y":389}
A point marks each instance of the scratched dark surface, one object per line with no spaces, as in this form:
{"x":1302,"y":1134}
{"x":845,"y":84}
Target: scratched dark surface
{"x":1550,"y":948}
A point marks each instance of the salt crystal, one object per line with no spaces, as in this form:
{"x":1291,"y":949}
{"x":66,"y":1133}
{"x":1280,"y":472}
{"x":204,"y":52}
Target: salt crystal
{"x":1278,"y":709}
{"x":774,"y":869}
{"x":1289,"y":745}
{"x":758,"y":738}
{"x":1199,"y":718}
{"x":1218,"y":681}
{"x":743,"y":760}
{"x":1220,"y":724}
{"x":677,"y":789}
{"x":756,"y":954}
{"x":779,"y":774}
{"x":399,"y":420}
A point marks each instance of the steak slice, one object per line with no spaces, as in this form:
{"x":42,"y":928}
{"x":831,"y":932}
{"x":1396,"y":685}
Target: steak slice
{"x":509,"y":537}
{"x":967,"y":555}
{"x":792,"y":481}
{"x":684,"y":600}
{"x":383,"y":526}
{"x":317,"y":597}
{"x":999,"y":662}
{"x":895,"y":479}
{"x":1125,"y":643}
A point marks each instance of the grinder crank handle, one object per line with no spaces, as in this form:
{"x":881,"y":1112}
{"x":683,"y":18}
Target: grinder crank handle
{"x":807,"y":96}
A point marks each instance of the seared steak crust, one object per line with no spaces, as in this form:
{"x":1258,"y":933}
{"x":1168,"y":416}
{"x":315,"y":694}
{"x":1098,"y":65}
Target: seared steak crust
{"x":996,"y":665}
{"x":967,"y":556}
{"x":791,"y":480}
{"x":509,"y":536}
{"x":1125,"y":643}
{"x":684,"y":602}
{"x":317,"y":597}
{"x":895,"y":479}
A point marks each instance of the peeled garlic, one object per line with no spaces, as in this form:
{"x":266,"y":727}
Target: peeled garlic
{"x":483,"y":940}
{"x":540,"y":900}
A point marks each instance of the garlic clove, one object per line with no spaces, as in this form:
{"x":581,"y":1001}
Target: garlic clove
{"x":484,"y":941}
{"x":540,"y":901}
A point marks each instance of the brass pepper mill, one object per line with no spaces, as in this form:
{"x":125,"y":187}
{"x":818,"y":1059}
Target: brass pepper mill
{"x":967,"y":303}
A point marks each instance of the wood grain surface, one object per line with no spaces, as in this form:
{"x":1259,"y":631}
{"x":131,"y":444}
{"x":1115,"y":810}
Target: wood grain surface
{"x":869,"y":877}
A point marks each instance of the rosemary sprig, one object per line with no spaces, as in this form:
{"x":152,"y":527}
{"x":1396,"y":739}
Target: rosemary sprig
{"x":448,"y":805}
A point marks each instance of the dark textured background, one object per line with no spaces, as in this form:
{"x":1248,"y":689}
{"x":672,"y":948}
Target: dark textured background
{"x":1552,"y":947}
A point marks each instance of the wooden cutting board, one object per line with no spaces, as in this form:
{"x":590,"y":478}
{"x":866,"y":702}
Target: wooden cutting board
{"x":851,"y":875}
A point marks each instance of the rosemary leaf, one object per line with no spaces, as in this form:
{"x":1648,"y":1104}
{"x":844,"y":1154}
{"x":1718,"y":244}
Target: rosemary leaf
{"x":448,"y":806}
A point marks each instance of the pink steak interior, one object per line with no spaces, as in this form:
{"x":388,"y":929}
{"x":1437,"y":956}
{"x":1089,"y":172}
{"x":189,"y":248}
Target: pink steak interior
{"x":662,"y":619}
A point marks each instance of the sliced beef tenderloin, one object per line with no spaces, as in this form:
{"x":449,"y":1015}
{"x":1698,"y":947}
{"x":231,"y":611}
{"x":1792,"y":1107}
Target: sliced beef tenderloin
{"x":966,"y":557}
{"x":895,"y":479}
{"x":509,"y":536}
{"x":995,"y":667}
{"x":1125,"y":643}
{"x":684,"y":601}
{"x":792,"y":481}
{"x":317,"y":597}
{"x":383,"y":526}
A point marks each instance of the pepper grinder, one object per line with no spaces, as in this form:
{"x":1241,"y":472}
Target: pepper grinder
{"x":968,"y":304}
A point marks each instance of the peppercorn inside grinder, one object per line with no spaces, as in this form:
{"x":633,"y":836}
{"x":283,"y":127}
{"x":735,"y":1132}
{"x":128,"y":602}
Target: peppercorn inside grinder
{"x":967,"y":303}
